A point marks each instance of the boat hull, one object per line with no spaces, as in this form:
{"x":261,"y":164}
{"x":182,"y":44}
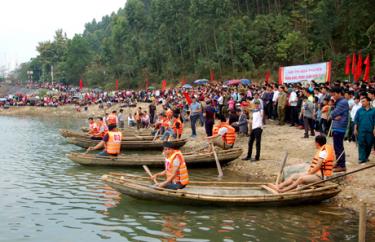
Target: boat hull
{"x":127,"y":145}
{"x":192,"y":159}
{"x":131,"y":186}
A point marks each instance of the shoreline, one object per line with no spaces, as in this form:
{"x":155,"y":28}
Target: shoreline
{"x":275,"y":141}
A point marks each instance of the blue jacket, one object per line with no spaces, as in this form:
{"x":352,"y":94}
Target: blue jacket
{"x":341,"y":110}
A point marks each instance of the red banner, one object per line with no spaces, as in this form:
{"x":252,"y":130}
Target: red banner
{"x":116,"y":85}
{"x":80,"y":85}
{"x":267,"y":76}
{"x":212,"y":75}
{"x":354,"y":62}
{"x":359,"y":66}
{"x":367,"y":62}
{"x":347,"y":65}
{"x":163,"y":85}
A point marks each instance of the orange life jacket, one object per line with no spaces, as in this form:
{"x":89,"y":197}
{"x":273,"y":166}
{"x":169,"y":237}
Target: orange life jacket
{"x":166,"y":123}
{"x":102,"y":129}
{"x":230,"y":137}
{"x":327,"y":165}
{"x":93,"y":128}
{"x":113,"y":145}
{"x":176,"y":130}
{"x":182,"y":175}
{"x":112,"y":119}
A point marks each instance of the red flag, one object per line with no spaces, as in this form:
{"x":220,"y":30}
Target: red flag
{"x":367,"y":62}
{"x":187,"y":97}
{"x":212,"y":75}
{"x":80,"y":85}
{"x":359,"y":66}
{"x":347,"y":65}
{"x":163,"y":85}
{"x":116,"y":85}
{"x":354,"y":61}
{"x":267,"y":76}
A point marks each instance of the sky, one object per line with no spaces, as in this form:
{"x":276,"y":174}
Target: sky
{"x":25,"y":23}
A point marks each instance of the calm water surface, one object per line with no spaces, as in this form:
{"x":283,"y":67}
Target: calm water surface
{"x":46,"y":197}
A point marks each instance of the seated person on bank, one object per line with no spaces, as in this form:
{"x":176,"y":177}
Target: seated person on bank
{"x":224,"y":135}
{"x":175,"y":168}
{"x":111,"y":142}
{"x":320,"y":168}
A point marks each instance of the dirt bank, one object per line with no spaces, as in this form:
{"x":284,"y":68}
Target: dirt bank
{"x":275,"y":141}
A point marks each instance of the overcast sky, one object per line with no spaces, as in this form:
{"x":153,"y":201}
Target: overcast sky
{"x":25,"y":23}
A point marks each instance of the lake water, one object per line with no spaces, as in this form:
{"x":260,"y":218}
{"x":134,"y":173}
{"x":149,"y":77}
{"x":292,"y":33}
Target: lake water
{"x":46,"y":197}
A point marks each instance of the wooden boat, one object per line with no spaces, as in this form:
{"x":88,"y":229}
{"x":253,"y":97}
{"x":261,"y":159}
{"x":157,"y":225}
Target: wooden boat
{"x":192,"y":159}
{"x":69,"y":133}
{"x":127,"y":144}
{"x":128,"y":131}
{"x":218,"y":193}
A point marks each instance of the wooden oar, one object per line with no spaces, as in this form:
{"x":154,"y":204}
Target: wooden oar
{"x":217,"y":161}
{"x":156,"y":135}
{"x":330,"y":129}
{"x":149,"y":172}
{"x":333,"y":178}
{"x":281,"y":168}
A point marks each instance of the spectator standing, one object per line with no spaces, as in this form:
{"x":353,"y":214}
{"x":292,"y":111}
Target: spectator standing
{"x":364,"y":129}
{"x":121,"y":119}
{"x":256,"y":119}
{"x":340,"y":117}
{"x":293,"y":101}
{"x":281,"y":104}
{"x":195,"y":111}
{"x":209,"y":113}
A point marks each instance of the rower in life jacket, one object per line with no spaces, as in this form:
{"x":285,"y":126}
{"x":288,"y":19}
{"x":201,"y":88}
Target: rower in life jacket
{"x":321,"y":168}
{"x":325,"y":168}
{"x":112,"y":118}
{"x":177,"y":127}
{"x":101,"y":129}
{"x":223,"y":135}
{"x":111,"y":143}
{"x":93,"y":128}
{"x":176,"y":172}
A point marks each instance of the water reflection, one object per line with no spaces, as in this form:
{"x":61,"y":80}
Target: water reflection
{"x":44,"y":195}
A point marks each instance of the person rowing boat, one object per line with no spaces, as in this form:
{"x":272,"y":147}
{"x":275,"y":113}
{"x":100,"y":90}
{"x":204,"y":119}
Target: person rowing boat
{"x":321,"y":167}
{"x":111,"y":142}
{"x":175,"y":168}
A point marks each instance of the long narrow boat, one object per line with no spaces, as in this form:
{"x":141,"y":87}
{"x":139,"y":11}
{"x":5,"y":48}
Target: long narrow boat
{"x":128,"y":131}
{"x":69,"y":133}
{"x":218,"y":193}
{"x":192,"y":159}
{"x":127,"y":145}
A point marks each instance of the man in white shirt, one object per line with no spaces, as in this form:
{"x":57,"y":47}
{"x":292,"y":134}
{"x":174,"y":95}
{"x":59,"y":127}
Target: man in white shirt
{"x":357,"y":105}
{"x":256,"y":131}
{"x":274,"y":102}
{"x":293,"y":101}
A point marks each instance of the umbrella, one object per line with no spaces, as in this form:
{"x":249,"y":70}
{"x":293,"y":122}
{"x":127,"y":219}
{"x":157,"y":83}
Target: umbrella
{"x":151,"y":88}
{"x":201,"y":81}
{"x":246,"y":82}
{"x":233,"y":82}
{"x":3,"y":99}
{"x":187,"y":86}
